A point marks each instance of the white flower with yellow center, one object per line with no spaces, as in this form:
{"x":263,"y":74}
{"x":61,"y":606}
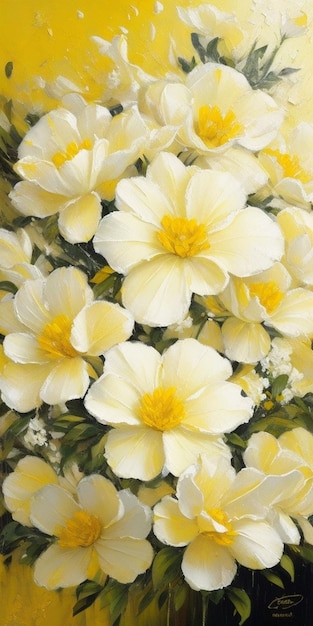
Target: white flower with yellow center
{"x":166,"y":409}
{"x":69,"y":162}
{"x":181,"y":230}
{"x":289,"y":164}
{"x":15,"y":257}
{"x":263,"y":300}
{"x":92,"y":532}
{"x":292,"y":452}
{"x":57,"y":332}
{"x":216,"y":109}
{"x":218,"y":516}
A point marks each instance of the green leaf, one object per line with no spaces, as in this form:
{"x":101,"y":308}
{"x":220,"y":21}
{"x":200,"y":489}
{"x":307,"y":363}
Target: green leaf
{"x":288,"y":566}
{"x":241,"y":601}
{"x":273,"y":578}
{"x":8,"y":69}
{"x":166,"y":567}
{"x":114,"y":595}
{"x":279,"y":384}
{"x":5,"y":285}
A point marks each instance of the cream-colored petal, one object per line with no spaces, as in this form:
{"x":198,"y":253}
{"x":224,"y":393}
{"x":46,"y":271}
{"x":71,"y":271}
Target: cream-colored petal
{"x":51,"y":507}
{"x":67,"y":291}
{"x":30,"y":199}
{"x":245,"y":342}
{"x":251,"y":243}
{"x":191,"y":366}
{"x":100,"y":326}
{"x":156,"y":292}
{"x":135,"y":452}
{"x":144,"y":199}
{"x":171,"y":176}
{"x":182,"y":448}
{"x":125,"y":558}
{"x":294,"y":315}
{"x":79,"y":219}
{"x":30,"y":475}
{"x":135,"y":521}
{"x":204,"y":276}
{"x":52,"y":132}
{"x":20,"y":385}
{"x":9,"y":322}
{"x":98,"y":496}
{"x":207,"y":565}
{"x":24,"y":348}
{"x":62,"y":567}
{"x":30,"y":307}
{"x":226,"y":197}
{"x":171,"y":526}
{"x":16,"y":247}
{"x":67,"y":380}
{"x":124,"y":241}
{"x":241,"y":163}
{"x":46,"y":175}
{"x":112,"y":400}
{"x":256,"y":544}
{"x":220,"y":408}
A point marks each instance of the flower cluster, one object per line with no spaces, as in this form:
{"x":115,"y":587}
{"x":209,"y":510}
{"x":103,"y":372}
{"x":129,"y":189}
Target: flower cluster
{"x":156,"y":276}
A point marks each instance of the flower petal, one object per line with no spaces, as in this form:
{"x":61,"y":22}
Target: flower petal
{"x":68,"y":379}
{"x":62,"y":567}
{"x":207,"y":565}
{"x":78,"y":221}
{"x":51,"y":507}
{"x":135,"y":452}
{"x":182,"y":448}
{"x":124,"y":558}
{"x":171,"y":526}
{"x":256,"y":544}
{"x":98,"y":496}
{"x":100,"y":326}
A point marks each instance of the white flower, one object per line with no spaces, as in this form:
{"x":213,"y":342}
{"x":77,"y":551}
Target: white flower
{"x":67,"y":162}
{"x":261,"y":301}
{"x":289,"y":164}
{"x":56,"y":328}
{"x":181,"y":230}
{"x":216,"y":109}
{"x":290,"y":454}
{"x":166,"y":409}
{"x":218,"y":516}
{"x":92,"y":532}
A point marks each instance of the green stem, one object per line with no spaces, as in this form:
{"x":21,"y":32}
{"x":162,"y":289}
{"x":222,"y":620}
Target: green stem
{"x":169,"y":605}
{"x":205,"y":603}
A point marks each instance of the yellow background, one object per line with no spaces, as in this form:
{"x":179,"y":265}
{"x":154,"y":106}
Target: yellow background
{"x":43,"y":38}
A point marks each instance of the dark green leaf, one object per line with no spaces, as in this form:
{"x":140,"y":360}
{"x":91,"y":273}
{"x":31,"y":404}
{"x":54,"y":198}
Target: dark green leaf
{"x":8,"y":69}
{"x":241,"y":601}
{"x":166,"y":567}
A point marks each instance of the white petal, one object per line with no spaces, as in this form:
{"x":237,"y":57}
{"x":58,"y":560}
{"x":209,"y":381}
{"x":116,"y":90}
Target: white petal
{"x":98,"y":496}
{"x":68,"y":379}
{"x":51,"y":507}
{"x":244,"y":341}
{"x":79,"y":220}
{"x":294,"y":315}
{"x":182,"y":448}
{"x":157,"y":293}
{"x":207,"y":565}
{"x":136,"y":519}
{"x":135,"y":452}
{"x":256,"y":544}
{"x":30,"y":199}
{"x":100,"y":326}
{"x":112,"y":400}
{"x":171,"y":526}
{"x":124,"y":558}
{"x":62,"y":567}
{"x":67,"y":291}
{"x":24,"y":348}
{"x":30,"y":307}
{"x":21,"y":384}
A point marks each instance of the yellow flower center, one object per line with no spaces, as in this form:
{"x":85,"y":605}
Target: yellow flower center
{"x":55,"y":338}
{"x":225,"y":536}
{"x":81,"y":530}
{"x":216,"y":129}
{"x":161,"y":409}
{"x":71,"y":150}
{"x":182,"y":236}
{"x":269,"y":294}
{"x":290,"y":164}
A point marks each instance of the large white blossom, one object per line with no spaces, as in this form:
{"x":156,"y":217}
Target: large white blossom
{"x":68,"y":162}
{"x":181,"y":230}
{"x":165,"y":409}
{"x":258,"y":303}
{"x":55,"y":331}
{"x":92,"y":531}
{"x":218,"y":517}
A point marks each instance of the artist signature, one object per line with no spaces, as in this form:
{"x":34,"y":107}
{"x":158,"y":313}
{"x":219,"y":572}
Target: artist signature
{"x":286,"y":602}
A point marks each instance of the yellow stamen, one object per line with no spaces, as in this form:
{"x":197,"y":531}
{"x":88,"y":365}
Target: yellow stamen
{"x":290,"y":165}
{"x":161,"y":409}
{"x":55,"y":338}
{"x":59,"y":158}
{"x":268,"y":293}
{"x":225,"y":536}
{"x":216,"y":129}
{"x":182,"y":236}
{"x":81,"y":530}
